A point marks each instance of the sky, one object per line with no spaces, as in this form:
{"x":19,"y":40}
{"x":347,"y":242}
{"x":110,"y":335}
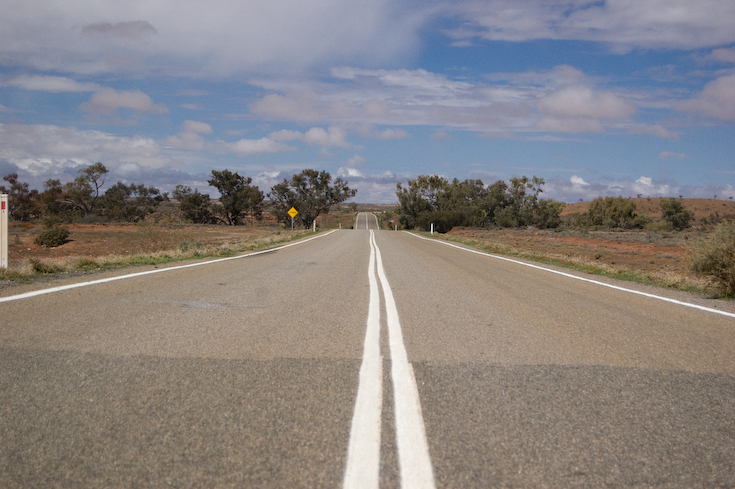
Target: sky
{"x":612,"y":97}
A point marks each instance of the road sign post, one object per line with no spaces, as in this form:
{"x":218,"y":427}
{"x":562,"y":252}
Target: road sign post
{"x":292,"y":212}
{"x":4,"y":211}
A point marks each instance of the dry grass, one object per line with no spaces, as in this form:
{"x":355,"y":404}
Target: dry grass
{"x":633,"y":256}
{"x":100,"y":247}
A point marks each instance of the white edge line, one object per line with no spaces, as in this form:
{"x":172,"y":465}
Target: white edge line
{"x":616,"y":287}
{"x":149,"y":272}
{"x":414,"y":459}
{"x":363,"y":454}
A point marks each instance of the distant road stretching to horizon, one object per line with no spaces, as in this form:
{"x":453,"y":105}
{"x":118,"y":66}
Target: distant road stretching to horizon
{"x":363,"y":358}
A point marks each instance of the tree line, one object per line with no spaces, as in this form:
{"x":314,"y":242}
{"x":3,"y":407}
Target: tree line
{"x":311,"y":192}
{"x":423,"y":201}
{"x":433,"y":199}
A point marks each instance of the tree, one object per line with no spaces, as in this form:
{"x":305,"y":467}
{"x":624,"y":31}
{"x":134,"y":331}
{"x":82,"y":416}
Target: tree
{"x":238,"y":199}
{"x":309,"y":192}
{"x":675,"y":214}
{"x":21,"y":201}
{"x":130,"y":203}
{"x":613,"y":212}
{"x":84,"y":191}
{"x":520,"y":202}
{"x":431,"y":199}
{"x":419,"y":198}
{"x":194,"y":206}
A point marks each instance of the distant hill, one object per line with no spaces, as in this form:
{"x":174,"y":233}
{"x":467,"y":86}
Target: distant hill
{"x":651,"y":207}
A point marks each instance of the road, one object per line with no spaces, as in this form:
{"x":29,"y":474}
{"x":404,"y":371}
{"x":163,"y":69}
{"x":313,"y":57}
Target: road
{"x":363,"y":358}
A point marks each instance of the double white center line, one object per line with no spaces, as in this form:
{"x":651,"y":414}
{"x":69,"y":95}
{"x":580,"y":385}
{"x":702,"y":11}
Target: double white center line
{"x":363,"y":456}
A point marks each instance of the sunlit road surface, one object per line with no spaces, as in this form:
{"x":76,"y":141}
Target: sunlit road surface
{"x":364,"y":358}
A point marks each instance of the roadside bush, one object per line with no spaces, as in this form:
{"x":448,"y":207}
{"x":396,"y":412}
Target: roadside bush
{"x":41,"y":267}
{"x":659,"y":226}
{"x":52,"y":237}
{"x":85,"y":264}
{"x":614,"y":212}
{"x":714,"y":256}
{"x":675,"y":214}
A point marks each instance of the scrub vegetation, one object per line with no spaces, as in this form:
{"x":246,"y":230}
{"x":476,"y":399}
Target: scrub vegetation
{"x":681,"y":243}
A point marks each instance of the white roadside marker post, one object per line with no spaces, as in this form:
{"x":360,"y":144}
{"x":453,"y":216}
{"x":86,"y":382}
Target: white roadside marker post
{"x":4,"y":230}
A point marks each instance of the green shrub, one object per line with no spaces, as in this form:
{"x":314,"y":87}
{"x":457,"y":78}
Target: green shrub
{"x":714,"y":256}
{"x":659,"y":226}
{"x":675,"y":214}
{"x":614,"y":212}
{"x":52,"y":237}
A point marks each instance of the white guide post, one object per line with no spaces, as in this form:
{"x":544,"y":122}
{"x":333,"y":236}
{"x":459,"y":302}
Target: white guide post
{"x":4,"y":211}
{"x":432,"y":228}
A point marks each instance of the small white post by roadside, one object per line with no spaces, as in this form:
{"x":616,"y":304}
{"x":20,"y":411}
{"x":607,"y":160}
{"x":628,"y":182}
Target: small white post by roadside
{"x":432,"y":228}
{"x":4,"y":211}
{"x":313,"y":228}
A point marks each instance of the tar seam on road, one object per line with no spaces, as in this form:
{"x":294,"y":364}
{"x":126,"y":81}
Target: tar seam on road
{"x":149,"y":272}
{"x":413,"y":449}
{"x":645,"y":294}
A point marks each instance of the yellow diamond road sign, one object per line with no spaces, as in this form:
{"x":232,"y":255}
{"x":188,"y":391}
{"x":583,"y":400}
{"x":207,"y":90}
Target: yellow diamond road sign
{"x":292,"y":212}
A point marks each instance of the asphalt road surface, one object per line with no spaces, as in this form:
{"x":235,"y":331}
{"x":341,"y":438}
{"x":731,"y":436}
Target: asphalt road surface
{"x":364,"y":358}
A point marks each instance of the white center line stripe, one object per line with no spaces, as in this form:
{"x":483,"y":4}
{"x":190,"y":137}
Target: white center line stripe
{"x":363,"y":454}
{"x":413,"y":449}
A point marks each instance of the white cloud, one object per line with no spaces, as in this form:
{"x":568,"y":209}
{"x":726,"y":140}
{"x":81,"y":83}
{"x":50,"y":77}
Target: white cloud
{"x":623,"y":24}
{"x":51,"y":84}
{"x":723,"y":55}
{"x":581,"y":101}
{"x":47,"y":151}
{"x":645,"y":186}
{"x":221,"y":39}
{"x":197,"y":127}
{"x":415,"y":79}
{"x":393,"y":134}
{"x":574,"y":125}
{"x":190,"y":136}
{"x":256,"y":146}
{"x":301,"y":107}
{"x":578,"y":182}
{"x":572,"y":190}
{"x":333,"y":136}
{"x":717,"y":99}
{"x":562,"y":99}
{"x":355,"y":161}
{"x":109,"y":100}
{"x":647,"y":181}
{"x":346,"y":172}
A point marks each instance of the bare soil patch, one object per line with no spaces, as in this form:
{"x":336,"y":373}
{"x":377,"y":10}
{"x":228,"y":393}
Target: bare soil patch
{"x":97,"y":240}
